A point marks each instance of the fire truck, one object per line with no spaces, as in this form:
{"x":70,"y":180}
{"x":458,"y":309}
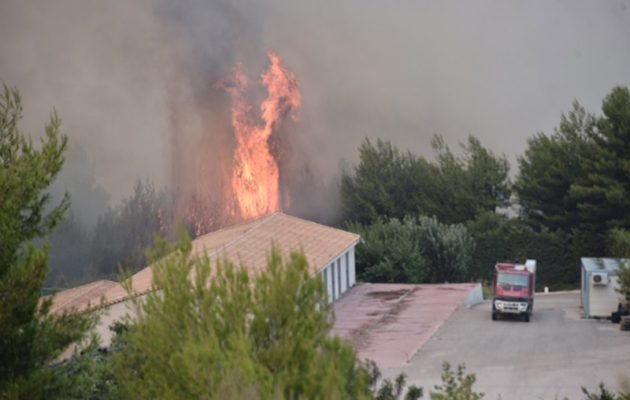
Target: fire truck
{"x":514,"y":286}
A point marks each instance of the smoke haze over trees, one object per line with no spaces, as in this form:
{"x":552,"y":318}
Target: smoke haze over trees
{"x":134,"y":80}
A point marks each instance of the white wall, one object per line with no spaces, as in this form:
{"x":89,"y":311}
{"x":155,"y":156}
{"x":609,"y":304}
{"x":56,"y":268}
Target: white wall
{"x":603,"y":299}
{"x":339,"y":275}
{"x":116,"y":312}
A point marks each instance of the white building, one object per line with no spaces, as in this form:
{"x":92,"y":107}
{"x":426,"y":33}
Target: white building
{"x":599,"y":286}
{"x":329,"y":251}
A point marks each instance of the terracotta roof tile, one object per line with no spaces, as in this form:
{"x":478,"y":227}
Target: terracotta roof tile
{"x":250,"y":244}
{"x":82,"y":297}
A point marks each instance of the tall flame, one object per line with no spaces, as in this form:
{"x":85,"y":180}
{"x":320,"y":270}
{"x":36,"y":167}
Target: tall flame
{"x":255,"y":180}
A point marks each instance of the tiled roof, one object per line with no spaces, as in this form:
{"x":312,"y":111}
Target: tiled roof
{"x":82,"y":297}
{"x":250,"y":243}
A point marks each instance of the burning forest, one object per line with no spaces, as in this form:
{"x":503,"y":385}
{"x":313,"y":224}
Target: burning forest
{"x":246,"y":184}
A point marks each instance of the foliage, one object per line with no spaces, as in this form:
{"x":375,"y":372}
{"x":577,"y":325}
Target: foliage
{"x":473,"y":183}
{"x":121,"y":236}
{"x":30,"y":336}
{"x":389,"y":390}
{"x":89,"y":373}
{"x":619,"y":243}
{"x":414,"y":250}
{"x":576,"y":180}
{"x":70,"y":255}
{"x":603,"y":191}
{"x":623,"y":275}
{"x":393,"y":184}
{"x":386,"y":182}
{"x":498,"y":238}
{"x":390,"y":252}
{"x":605,"y":394}
{"x":124,"y":234}
{"x":619,"y":247}
{"x":550,"y":165}
{"x":223,"y":332}
{"x":456,"y":385}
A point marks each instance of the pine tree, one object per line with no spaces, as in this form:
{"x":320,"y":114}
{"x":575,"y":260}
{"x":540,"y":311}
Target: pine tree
{"x":30,"y":337}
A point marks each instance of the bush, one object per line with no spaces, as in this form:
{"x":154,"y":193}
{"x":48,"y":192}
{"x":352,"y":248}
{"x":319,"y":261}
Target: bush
{"x":222,"y":332}
{"x":456,"y":385}
{"x":605,"y":394}
{"x":414,"y":250}
{"x":389,"y":390}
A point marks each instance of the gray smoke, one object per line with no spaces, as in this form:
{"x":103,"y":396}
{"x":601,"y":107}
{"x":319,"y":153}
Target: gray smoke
{"x":133,"y":81}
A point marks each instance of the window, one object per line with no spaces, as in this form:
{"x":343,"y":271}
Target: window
{"x":517,"y":280}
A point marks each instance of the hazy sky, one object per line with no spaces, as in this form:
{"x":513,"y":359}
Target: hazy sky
{"x":400,"y":70}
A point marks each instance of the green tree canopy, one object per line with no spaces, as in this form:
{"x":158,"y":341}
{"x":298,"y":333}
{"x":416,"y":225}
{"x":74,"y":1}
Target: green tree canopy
{"x":394,"y":184}
{"x":414,"y":250}
{"x":602,"y":192}
{"x":218,"y":332}
{"x":548,"y":169}
{"x":30,"y":337}
{"x":577,"y":180}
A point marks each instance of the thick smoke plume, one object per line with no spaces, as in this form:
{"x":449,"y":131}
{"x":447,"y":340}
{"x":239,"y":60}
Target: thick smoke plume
{"x":134,"y":81}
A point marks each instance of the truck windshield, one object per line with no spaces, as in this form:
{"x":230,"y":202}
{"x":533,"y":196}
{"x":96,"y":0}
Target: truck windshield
{"x":512,"y":280}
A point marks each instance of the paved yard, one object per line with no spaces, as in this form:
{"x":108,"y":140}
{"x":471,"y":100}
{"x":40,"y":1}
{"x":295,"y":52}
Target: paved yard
{"x":547,"y":358}
{"x":388,"y":323}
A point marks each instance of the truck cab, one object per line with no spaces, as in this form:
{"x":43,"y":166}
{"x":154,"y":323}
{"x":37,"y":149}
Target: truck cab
{"x":514,"y":287}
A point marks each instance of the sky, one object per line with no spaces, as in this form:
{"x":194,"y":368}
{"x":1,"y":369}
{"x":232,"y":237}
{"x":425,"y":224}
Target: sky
{"x":134,"y":80}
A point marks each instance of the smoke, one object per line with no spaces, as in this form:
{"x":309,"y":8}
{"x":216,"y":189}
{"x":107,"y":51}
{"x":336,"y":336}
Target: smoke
{"x":134,"y":81}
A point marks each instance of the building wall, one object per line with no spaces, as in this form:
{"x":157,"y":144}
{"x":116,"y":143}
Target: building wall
{"x":599,"y":300}
{"x":343,"y":268}
{"x":339,"y":275}
{"x":603,"y":300}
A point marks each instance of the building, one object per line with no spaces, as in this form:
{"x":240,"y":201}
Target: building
{"x":329,"y":251}
{"x":599,"y":286}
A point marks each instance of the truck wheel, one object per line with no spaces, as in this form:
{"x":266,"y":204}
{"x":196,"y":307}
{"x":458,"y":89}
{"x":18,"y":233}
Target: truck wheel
{"x":526,"y":318}
{"x":494,"y":316}
{"x":615,"y":317}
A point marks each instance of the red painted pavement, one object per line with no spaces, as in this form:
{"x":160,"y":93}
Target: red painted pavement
{"x":389,"y":323}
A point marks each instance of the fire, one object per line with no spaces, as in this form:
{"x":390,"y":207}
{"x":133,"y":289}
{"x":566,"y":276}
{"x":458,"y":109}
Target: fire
{"x":255,"y":180}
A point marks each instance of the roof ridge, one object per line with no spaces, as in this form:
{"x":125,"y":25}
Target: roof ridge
{"x":255,"y":224}
{"x":308,"y":221}
{"x":83,"y":290}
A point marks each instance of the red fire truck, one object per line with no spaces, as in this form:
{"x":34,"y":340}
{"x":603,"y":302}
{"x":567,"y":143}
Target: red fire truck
{"x":514,"y":286}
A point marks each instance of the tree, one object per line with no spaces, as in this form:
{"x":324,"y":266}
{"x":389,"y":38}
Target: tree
{"x":220,"y":331}
{"x":500,"y":239}
{"x":602,"y":192}
{"x":124,"y":233}
{"x":390,"y":183}
{"x":605,"y":394}
{"x":619,"y":243}
{"x":386,"y":183}
{"x":473,"y":183}
{"x":576,"y":180}
{"x":30,"y":337}
{"x":414,"y":250}
{"x":551,"y":165}
{"x":69,"y":256}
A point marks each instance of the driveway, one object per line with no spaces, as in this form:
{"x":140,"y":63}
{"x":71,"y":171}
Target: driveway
{"x":547,"y":358}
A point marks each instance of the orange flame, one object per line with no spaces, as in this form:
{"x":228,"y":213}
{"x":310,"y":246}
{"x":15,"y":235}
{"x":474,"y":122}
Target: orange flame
{"x":255,"y":180}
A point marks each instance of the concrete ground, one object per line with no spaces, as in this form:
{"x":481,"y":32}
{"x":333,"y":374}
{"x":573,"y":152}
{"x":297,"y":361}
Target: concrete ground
{"x":388,"y":323}
{"x":550,"y":357}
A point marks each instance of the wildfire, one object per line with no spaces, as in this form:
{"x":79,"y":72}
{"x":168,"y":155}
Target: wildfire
{"x":255,"y":180}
